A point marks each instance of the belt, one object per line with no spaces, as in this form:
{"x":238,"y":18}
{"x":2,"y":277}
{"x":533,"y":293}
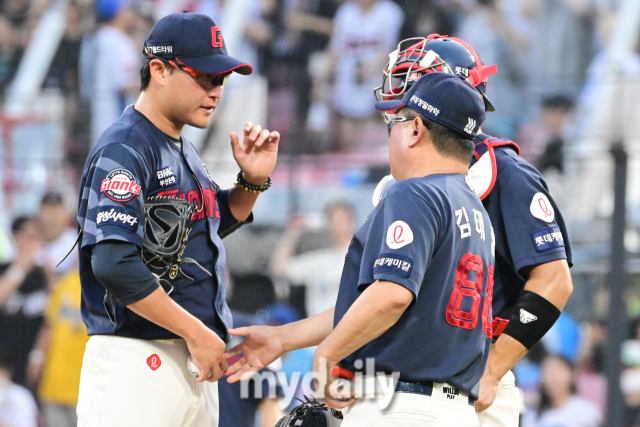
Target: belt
{"x":424,"y":388}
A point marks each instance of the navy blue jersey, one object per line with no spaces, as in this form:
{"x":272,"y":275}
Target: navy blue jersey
{"x":528,"y":225}
{"x":433,"y":236}
{"x":132,"y":161}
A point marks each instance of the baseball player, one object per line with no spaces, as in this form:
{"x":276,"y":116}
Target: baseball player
{"x":416,"y":285}
{"x":533,"y":256}
{"x":152,"y":263}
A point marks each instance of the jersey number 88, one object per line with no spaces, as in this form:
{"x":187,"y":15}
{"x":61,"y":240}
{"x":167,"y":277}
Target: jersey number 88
{"x":467,"y":288}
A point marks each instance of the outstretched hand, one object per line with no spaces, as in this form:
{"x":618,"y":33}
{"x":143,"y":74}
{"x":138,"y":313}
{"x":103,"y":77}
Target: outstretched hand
{"x":257,"y":154}
{"x":261,"y":347}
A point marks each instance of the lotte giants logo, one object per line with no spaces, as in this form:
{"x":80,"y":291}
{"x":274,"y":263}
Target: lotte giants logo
{"x":216,"y":37}
{"x":120,"y":185}
{"x":399,"y":234}
{"x":541,"y":208}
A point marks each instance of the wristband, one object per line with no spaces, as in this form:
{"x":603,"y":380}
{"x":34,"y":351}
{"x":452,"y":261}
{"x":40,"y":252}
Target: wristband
{"x":15,"y":274}
{"x":534,"y":317}
{"x":250,"y":187}
{"x":37,"y":357}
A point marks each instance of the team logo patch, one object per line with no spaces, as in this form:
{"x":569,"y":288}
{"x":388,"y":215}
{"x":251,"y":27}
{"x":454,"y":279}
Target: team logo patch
{"x":166,"y":177}
{"x":526,"y":317}
{"x":399,"y":234}
{"x":549,"y":238}
{"x":541,"y":208}
{"x":117,"y":215}
{"x":394,"y":264}
{"x":120,"y":185}
{"x":154,"y":362}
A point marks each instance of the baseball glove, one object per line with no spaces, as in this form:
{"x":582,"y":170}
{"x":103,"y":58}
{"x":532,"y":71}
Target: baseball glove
{"x":311,"y":413}
{"x":166,"y":231}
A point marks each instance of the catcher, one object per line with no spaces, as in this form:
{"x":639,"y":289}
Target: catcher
{"x":152,"y":263}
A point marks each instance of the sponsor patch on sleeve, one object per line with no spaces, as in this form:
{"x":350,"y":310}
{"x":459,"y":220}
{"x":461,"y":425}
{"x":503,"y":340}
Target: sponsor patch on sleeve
{"x":116,"y":215}
{"x":549,"y":238}
{"x":394,"y":264}
{"x":165,"y":177}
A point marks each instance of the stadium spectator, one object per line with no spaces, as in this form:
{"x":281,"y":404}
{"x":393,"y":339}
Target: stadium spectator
{"x":319,"y":270}
{"x":111,"y":61}
{"x":560,"y":66}
{"x":10,"y":54}
{"x":59,"y":236}
{"x":17,"y":407}
{"x":559,"y":406}
{"x":58,"y":354}
{"x":23,"y":295}
{"x":499,"y":35}
{"x":364,"y":33}
{"x":303,"y":32}
{"x":542,"y":142}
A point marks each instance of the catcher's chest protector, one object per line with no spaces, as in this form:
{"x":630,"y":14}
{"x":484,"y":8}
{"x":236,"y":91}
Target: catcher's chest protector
{"x":484,"y":172}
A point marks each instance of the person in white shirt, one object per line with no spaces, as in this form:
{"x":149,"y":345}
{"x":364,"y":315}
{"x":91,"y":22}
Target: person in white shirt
{"x":559,"y":405}
{"x":364,"y":33}
{"x":319,"y":270}
{"x":114,"y":67}
{"x":59,"y":236}
{"x":17,"y":407}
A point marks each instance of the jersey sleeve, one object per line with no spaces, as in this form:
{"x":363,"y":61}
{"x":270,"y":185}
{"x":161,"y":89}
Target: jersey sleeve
{"x":113,"y":196}
{"x":228,"y":223}
{"x":401,"y":242}
{"x":533,"y":225}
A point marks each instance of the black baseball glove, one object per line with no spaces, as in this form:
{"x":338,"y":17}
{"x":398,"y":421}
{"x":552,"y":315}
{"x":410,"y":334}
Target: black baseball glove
{"x":311,"y":413}
{"x":166,"y":231}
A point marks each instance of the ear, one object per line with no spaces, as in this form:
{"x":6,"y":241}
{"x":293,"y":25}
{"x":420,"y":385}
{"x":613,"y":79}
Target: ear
{"x":159,"y":72}
{"x":418,"y":132}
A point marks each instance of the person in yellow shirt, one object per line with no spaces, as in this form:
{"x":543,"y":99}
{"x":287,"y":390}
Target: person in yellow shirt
{"x":56,"y":360}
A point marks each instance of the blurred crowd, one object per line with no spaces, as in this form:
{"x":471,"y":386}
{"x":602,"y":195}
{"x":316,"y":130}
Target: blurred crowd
{"x":321,"y":60}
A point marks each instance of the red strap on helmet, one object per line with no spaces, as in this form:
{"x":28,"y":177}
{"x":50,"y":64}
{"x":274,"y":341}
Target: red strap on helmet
{"x":478,"y":75}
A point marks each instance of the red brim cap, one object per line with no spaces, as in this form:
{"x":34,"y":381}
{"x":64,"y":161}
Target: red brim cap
{"x":217,"y":64}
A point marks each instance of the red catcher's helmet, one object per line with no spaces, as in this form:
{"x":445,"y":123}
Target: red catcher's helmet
{"x":417,"y":56}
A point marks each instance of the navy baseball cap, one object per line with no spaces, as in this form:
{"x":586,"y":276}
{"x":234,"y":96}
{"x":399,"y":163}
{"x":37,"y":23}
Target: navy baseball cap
{"x":194,"y":40}
{"x":446,"y":99}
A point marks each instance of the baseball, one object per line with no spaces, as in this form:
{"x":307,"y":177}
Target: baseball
{"x":193,"y":367}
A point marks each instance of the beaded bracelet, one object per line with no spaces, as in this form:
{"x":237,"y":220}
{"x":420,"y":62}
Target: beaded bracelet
{"x":250,"y":187}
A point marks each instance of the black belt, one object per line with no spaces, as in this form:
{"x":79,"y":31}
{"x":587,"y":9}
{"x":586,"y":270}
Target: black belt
{"x":424,"y":388}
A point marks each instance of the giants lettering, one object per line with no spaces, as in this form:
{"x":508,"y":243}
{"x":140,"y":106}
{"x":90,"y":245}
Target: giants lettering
{"x":210,"y":205}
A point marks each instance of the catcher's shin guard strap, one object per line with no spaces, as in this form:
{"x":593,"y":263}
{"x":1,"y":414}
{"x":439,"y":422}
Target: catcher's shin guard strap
{"x":534,"y":317}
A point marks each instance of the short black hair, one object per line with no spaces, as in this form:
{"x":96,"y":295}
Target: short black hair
{"x":6,"y":362}
{"x":447,"y":142}
{"x":19,"y":223}
{"x":340,"y":204}
{"x":145,"y":73}
{"x":52,"y":198}
{"x":557,"y":101}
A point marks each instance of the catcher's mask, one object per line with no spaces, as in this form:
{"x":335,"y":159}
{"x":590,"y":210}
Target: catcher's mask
{"x":166,"y":231}
{"x":414,"y":57}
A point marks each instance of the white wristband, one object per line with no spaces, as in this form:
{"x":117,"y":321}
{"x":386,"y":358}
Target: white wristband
{"x":15,"y":274}
{"x":37,"y":357}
